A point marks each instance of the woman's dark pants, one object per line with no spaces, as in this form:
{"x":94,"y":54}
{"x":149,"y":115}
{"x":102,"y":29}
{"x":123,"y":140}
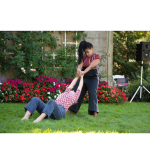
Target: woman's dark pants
{"x":52,"y":109}
{"x":90,"y":85}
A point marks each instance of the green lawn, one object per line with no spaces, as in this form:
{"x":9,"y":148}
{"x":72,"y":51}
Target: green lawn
{"x":112,"y":118}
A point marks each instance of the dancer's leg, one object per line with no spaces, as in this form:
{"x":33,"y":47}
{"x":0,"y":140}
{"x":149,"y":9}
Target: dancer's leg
{"x":75,"y":108}
{"x":52,"y":110}
{"x":92,"y":90}
{"x":43,"y":115}
{"x":27,"y":115}
{"x":34,"y":104}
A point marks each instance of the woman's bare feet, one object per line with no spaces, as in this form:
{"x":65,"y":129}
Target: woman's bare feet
{"x":27,"y":115}
{"x":43,"y":115}
{"x":69,"y":111}
{"x":24,"y":118}
{"x":95,"y":114}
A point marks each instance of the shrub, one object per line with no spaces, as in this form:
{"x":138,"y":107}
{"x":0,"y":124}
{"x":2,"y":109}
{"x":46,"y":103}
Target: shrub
{"x":44,"y":88}
{"x":107,"y":94}
{"x":110,"y":94}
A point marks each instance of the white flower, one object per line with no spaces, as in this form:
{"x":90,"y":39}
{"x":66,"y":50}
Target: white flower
{"x":54,"y":83}
{"x":49,"y":97}
{"x":20,"y":44}
{"x":31,"y":65}
{"x":1,"y":100}
{"x":3,"y":93}
{"x":0,"y":83}
{"x":59,"y":92}
{"x":48,"y":92}
{"x":55,"y":96}
{"x":32,"y":69}
{"x":23,"y":70}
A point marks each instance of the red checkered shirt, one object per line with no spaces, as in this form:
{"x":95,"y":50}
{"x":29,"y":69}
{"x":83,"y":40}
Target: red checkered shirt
{"x":88,"y":60}
{"x":66,"y":99}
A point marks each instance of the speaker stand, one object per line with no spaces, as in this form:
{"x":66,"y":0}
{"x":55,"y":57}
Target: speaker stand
{"x":141,"y":86}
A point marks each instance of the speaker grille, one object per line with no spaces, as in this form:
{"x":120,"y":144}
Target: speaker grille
{"x":143,"y":51}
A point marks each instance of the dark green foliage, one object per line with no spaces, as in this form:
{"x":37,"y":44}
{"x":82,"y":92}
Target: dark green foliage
{"x":80,"y":35}
{"x":66,"y":62}
{"x":124,"y":48}
{"x":27,"y":48}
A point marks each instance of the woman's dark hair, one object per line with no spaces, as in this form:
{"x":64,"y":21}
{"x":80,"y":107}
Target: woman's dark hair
{"x":83,"y":45}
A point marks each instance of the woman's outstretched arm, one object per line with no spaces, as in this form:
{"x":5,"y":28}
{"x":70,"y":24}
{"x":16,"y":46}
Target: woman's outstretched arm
{"x":81,"y":83}
{"x":73,"y":82}
{"x":93,"y":64}
{"x":79,"y":69}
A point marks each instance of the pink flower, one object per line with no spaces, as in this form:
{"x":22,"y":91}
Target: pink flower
{"x":32,"y":69}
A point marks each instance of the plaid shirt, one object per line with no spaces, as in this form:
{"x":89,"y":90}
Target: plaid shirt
{"x":66,"y":99}
{"x":88,"y":60}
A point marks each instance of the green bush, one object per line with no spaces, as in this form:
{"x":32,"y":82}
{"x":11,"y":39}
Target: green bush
{"x":27,"y":52}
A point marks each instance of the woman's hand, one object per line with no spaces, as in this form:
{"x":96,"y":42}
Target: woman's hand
{"x":79,"y":73}
{"x":82,"y":73}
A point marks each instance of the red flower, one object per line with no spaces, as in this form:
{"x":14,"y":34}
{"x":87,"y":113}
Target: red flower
{"x":22,"y":98}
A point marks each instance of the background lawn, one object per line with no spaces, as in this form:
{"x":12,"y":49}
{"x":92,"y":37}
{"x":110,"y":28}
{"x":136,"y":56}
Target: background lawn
{"x":112,"y":118}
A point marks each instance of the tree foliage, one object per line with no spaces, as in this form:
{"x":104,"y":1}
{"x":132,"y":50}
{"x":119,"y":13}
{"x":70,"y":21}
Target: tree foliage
{"x":124,"y":49}
{"x":26,"y":49}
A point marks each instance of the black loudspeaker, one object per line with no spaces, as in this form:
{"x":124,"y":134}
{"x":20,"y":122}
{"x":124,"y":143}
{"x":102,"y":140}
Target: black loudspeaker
{"x":143,"y":51}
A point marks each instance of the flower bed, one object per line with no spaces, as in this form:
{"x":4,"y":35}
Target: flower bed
{"x":110,"y":94}
{"x":44,"y":88}
{"x":47,"y":88}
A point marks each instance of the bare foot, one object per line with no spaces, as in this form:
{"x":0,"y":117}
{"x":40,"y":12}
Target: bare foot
{"x":25,"y":118}
{"x":95,"y":114}
{"x":43,"y":115}
{"x":69,"y":111}
{"x":27,"y":115}
{"x":37,"y":120}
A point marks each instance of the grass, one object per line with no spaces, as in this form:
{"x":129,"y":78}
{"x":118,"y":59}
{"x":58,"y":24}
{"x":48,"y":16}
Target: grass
{"x":112,"y":118}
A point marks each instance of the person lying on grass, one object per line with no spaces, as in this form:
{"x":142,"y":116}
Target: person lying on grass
{"x":54,"y":108}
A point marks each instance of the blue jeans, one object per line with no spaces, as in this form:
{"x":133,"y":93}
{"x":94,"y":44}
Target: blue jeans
{"x":52,"y":109}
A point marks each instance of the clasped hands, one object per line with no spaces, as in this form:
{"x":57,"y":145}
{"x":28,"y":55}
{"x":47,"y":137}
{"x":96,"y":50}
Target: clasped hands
{"x":79,"y":73}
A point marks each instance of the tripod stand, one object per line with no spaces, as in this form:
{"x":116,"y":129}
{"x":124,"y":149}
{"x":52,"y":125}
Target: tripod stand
{"x":141,"y":86}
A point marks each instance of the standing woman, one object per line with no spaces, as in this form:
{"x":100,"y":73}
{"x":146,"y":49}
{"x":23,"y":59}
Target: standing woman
{"x":88,"y":66}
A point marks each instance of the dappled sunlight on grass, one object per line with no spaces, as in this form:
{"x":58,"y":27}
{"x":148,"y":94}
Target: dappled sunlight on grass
{"x":37,"y":130}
